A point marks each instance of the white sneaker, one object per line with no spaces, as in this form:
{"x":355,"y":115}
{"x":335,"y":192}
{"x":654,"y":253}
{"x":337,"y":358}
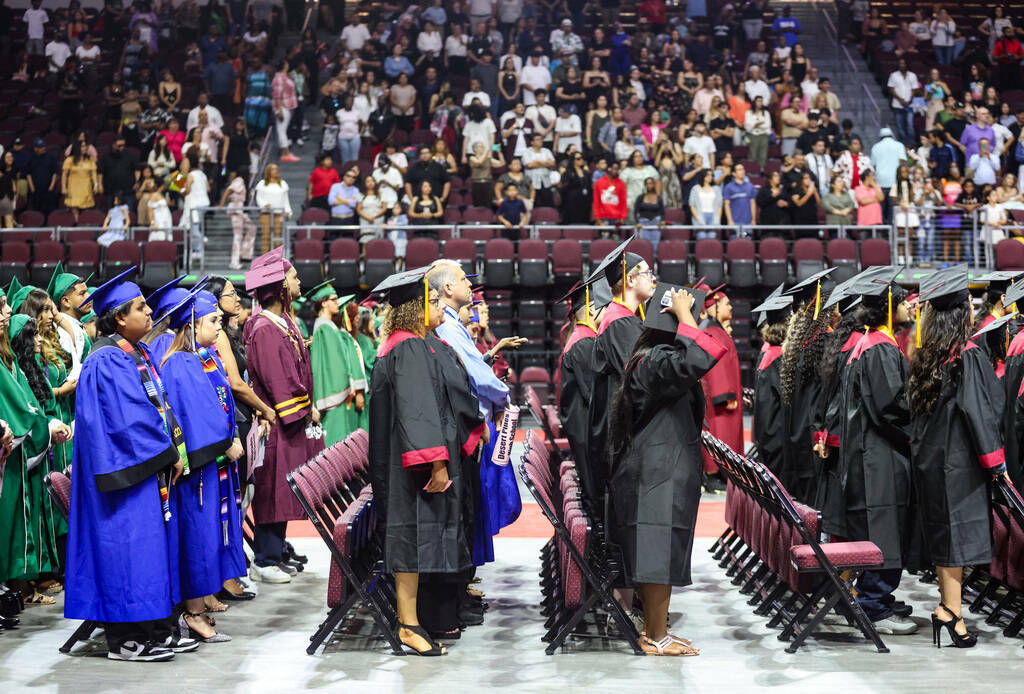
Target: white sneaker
{"x":268,"y":574}
{"x":141,"y":652}
{"x":896,"y":625}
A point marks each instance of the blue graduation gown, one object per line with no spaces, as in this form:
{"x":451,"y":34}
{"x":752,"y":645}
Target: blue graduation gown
{"x":210,"y":551}
{"x":158,"y":347}
{"x":120,"y":550}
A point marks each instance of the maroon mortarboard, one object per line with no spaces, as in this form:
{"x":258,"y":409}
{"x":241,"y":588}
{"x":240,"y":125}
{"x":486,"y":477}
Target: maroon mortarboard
{"x":267,"y":269}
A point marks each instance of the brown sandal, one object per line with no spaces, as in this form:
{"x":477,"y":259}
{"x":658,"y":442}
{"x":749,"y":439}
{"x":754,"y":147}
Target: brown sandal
{"x":38,"y":598}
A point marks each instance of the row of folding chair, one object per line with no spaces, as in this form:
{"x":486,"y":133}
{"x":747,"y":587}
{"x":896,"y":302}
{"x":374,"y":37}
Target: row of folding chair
{"x":333,"y":490}
{"x":578,"y":566}
{"x":771,"y":550}
{"x":1000,"y":585}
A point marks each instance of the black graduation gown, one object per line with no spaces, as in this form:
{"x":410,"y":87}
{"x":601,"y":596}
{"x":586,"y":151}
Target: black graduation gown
{"x":463,"y":425}
{"x":952,"y":452}
{"x":822,"y":424}
{"x":867,"y":485}
{"x":655,"y":487}
{"x":800,"y":466}
{"x":576,"y":376}
{"x":410,"y":427}
{"x":1013,"y":427}
{"x":619,"y":331}
{"x":768,"y":431}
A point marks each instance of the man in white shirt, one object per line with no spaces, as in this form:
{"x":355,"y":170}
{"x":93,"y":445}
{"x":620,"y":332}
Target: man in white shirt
{"x":543,"y":116}
{"x":355,"y":34}
{"x":69,"y":291}
{"x":36,"y":18}
{"x":810,"y":85}
{"x":820,"y":164}
{"x":475,"y":92}
{"x":756,"y":86}
{"x":902,"y":84}
{"x":984,"y":165}
{"x":389,"y":181}
{"x":57,"y":53}
{"x":213,"y":115}
{"x":538,"y":161}
{"x":699,"y":143}
{"x":564,"y":39}
{"x":516,"y":131}
{"x":568,"y":130}
{"x":534,"y":76}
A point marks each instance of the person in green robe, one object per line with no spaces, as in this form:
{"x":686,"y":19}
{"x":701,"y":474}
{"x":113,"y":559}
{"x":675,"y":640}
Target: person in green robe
{"x":26,"y":547}
{"x":339,"y":383}
{"x":359,"y":327}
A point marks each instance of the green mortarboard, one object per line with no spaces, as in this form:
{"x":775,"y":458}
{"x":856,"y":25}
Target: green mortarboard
{"x":61,"y":282}
{"x":13,"y":287}
{"x":320,"y":291}
{"x":17,"y":323}
{"x":16,"y":300}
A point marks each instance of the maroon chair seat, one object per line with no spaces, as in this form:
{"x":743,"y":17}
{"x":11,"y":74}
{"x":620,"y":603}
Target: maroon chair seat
{"x":499,"y":263}
{"x":844,"y":555}
{"x":420,"y":252}
{"x":877,"y":252}
{"x":462,"y":251}
{"x":566,"y":259}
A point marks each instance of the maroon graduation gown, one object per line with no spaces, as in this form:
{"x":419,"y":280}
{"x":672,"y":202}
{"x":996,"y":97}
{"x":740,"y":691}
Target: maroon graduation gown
{"x":722,"y":385}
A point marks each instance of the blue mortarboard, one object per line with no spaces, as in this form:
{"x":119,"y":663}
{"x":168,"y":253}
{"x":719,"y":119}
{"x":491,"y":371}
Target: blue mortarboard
{"x":114,"y":292}
{"x":193,"y":304}
{"x":163,"y":298}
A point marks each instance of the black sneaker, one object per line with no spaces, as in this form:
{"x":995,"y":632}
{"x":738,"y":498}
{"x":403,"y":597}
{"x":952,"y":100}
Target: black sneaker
{"x":287,"y":568}
{"x":141,"y":652}
{"x":180,"y":644}
{"x":294,"y":556}
{"x":901,"y":609}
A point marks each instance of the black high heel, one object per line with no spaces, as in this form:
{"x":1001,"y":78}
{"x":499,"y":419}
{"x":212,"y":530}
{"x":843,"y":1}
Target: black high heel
{"x":435,"y":647}
{"x":968,"y":640}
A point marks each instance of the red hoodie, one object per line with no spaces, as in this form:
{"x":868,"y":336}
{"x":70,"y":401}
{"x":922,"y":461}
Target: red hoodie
{"x":610,"y":199}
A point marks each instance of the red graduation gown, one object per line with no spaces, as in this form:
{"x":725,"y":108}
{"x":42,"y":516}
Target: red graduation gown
{"x":282,"y":376}
{"x":722,"y":385}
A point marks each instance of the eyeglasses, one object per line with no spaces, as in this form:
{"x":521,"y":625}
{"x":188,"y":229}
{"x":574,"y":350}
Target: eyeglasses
{"x":649,"y":273}
{"x":434,"y":302}
{"x":228,"y":294}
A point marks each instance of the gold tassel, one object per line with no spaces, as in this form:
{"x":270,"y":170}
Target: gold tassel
{"x":817,"y":301}
{"x":888,"y":322}
{"x":586,"y":311}
{"x":917,"y":327}
{"x":641,"y":307}
{"x":623,"y":277}
{"x":426,"y":303}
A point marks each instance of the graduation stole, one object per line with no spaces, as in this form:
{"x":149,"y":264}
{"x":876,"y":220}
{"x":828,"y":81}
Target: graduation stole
{"x":154,"y":388}
{"x":206,"y":356}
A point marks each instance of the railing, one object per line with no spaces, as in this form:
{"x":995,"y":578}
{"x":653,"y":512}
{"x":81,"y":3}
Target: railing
{"x":207,"y":219}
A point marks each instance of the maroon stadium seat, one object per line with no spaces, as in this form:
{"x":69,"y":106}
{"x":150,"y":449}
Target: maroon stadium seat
{"x":452,"y":215}
{"x":14,"y":259}
{"x":60,"y":218}
{"x":91,"y":218}
{"x":478,"y":215}
{"x":83,"y":258}
{"x":774,"y":270}
{"x":1009,"y":255}
{"x":31,"y":218}
{"x":120,"y":256}
{"x":874,"y":252}
{"x":674,"y":215}
{"x":533,"y":263}
{"x":599,"y":250}
{"x":160,"y":263}
{"x":544,"y":215}
{"x":477,"y":234}
{"x":499,"y":263}
{"x":566,"y":260}
{"x":421,"y":252}
{"x":537,"y":378}
{"x":343,"y":262}
{"x":741,"y":256}
{"x":309,"y":233}
{"x":644,"y":249}
{"x":47,"y":255}
{"x":463,"y":251}
{"x":808,"y":258}
{"x":707,"y":254}
{"x":308,"y":258}
{"x":314,"y":215}
{"x":673,"y":266}
{"x":842,"y":255}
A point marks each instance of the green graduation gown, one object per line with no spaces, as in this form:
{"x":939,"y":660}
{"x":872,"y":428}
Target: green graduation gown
{"x":27,"y":546}
{"x":337,"y":374}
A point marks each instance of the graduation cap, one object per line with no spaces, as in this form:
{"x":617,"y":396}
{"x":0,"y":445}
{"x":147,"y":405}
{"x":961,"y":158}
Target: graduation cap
{"x":13,"y":287}
{"x":61,"y":282}
{"x":1014,"y":293}
{"x":166,"y":296}
{"x":403,"y":287}
{"x":269,"y":268}
{"x":659,"y":319}
{"x":1001,"y":323}
{"x":16,"y":323}
{"x":944,"y":289}
{"x":1000,"y":280}
{"x":113,"y":292}
{"x":774,"y":309}
{"x":17,"y":299}
{"x":810,"y":288}
{"x":193,"y":304}
{"x":320,"y":291}
{"x":875,"y":286}
{"x":617,"y":264}
{"x":711,"y":296}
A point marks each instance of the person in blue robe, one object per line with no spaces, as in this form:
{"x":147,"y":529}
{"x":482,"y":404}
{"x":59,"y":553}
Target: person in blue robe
{"x":122,"y":566}
{"x":209,"y":524}
{"x":160,"y":301}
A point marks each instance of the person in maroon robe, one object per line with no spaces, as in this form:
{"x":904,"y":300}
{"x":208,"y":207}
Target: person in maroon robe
{"x":282,"y":375}
{"x":723,"y":391}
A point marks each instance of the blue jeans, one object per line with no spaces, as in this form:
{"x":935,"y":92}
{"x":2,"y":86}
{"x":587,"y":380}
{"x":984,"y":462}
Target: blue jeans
{"x":269,"y":541}
{"x":926,"y":240}
{"x":944,"y":55}
{"x":904,"y":124}
{"x":874,"y":592}
{"x":649,"y":230}
{"x":349,"y":149}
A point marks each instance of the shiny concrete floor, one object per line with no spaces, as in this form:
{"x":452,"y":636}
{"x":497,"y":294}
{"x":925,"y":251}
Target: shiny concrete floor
{"x":739,"y":653}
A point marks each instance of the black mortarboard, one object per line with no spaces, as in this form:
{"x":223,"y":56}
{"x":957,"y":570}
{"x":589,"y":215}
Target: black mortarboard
{"x":810,"y":289}
{"x":946,"y":288}
{"x":1014,"y":293}
{"x":874,"y":284}
{"x":616,"y":263}
{"x":999,"y":323}
{"x":841,"y":294}
{"x":1000,"y":280}
{"x":658,"y":319}
{"x":774,"y":309}
{"x":402,"y":287}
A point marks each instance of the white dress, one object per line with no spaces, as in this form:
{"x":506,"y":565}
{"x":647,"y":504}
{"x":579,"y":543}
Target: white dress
{"x":160,"y":214}
{"x":372,"y":205}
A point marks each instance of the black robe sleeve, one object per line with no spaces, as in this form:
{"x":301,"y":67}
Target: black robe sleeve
{"x":980,"y":400}
{"x":883,"y":395}
{"x":768,"y":431}
{"x":670,"y":374}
